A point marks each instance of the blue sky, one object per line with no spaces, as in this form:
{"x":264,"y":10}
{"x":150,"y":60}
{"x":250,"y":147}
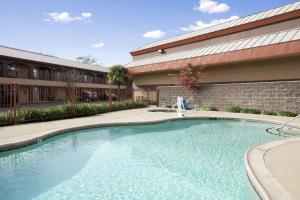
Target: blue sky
{"x":109,"y":30}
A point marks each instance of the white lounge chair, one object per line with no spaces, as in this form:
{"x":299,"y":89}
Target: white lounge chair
{"x":183,"y":106}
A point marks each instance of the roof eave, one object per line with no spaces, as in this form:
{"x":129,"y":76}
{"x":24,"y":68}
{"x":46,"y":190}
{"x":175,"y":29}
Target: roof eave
{"x":215,"y":34}
{"x":265,"y":52}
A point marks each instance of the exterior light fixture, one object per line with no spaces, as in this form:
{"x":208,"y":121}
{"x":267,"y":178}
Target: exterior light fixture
{"x":161,"y":51}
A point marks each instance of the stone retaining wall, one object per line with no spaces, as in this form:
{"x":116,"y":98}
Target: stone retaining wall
{"x":275,"y":96}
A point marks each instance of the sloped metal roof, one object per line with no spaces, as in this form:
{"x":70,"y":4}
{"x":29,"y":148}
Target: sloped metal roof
{"x":37,"y":57}
{"x":257,"y":41}
{"x":251,"y":18}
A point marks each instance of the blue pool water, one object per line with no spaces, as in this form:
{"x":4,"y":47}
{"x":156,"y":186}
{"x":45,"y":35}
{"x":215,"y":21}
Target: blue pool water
{"x":190,"y":159}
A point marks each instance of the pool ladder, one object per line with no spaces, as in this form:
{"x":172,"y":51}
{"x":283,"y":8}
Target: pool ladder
{"x":285,"y":124}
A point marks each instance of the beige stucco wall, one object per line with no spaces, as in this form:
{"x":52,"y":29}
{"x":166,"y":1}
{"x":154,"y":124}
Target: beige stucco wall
{"x":236,"y":36}
{"x":267,"y":70}
{"x":160,"y":78}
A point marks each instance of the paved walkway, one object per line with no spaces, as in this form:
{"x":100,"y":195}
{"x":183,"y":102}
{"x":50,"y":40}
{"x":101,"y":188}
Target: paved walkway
{"x":283,"y":162}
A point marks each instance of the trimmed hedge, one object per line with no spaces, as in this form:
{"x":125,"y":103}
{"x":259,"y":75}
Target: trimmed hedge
{"x":250,"y":111}
{"x":233,"y":109}
{"x":266,"y":112}
{"x":168,"y":106}
{"x":208,"y":108}
{"x":286,"y":113}
{"x":237,"y":109}
{"x":5,"y":119}
{"x":66,"y":111}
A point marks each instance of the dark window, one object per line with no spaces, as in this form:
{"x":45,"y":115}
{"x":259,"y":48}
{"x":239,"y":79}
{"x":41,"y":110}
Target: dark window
{"x":101,"y":79}
{"x":57,"y":75}
{"x":45,"y":74}
{"x":12,"y":70}
{"x":88,"y":78}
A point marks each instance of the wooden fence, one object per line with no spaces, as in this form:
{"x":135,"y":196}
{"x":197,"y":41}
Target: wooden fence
{"x":146,"y":95}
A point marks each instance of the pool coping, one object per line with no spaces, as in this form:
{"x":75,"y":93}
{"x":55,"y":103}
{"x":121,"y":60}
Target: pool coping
{"x":262,"y":181}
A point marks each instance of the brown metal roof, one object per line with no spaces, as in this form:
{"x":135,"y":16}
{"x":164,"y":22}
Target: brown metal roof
{"x":37,"y":57}
{"x":275,"y":15}
{"x":264,"y":47}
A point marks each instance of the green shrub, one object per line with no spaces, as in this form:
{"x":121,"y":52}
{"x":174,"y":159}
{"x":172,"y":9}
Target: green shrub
{"x":286,"y":113}
{"x":208,"y":108}
{"x":269,"y":112}
{"x":57,"y":113}
{"x":31,"y":115}
{"x":250,"y":111}
{"x":140,"y":104}
{"x":5,"y":119}
{"x":67,"y":108}
{"x":86,"y":109}
{"x":233,"y":109}
{"x":168,"y":106}
{"x":118,"y":106}
{"x":102,"y":109}
{"x":175,"y":106}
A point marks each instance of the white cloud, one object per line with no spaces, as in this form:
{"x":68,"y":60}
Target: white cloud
{"x":201,"y":24}
{"x":98,"y":45}
{"x":156,"y":34}
{"x":65,"y":17}
{"x":86,"y":14}
{"x":210,"y":6}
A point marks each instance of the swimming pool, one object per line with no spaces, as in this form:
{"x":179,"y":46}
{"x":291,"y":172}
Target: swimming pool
{"x":186,"y":159}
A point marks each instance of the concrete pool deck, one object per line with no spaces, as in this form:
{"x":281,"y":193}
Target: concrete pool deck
{"x":273,"y":168}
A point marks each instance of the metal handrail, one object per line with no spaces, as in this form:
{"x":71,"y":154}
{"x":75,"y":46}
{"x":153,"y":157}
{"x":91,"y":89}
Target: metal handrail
{"x":286,"y":123}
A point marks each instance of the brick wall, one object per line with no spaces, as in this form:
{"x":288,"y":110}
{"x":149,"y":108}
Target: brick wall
{"x":275,"y":96}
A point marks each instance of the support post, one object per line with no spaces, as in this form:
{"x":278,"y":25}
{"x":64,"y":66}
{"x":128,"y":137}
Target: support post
{"x":148,"y":95}
{"x":74,"y":100}
{"x":157,"y":97}
{"x":132,"y":94}
{"x":14,"y":102}
{"x":110,"y":98}
{"x":11,"y":98}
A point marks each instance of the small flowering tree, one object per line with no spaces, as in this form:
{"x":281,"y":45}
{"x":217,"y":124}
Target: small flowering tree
{"x":189,"y":77}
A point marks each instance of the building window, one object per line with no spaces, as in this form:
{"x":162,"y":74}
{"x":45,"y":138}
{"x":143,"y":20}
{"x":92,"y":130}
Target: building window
{"x":57,"y":75}
{"x":35,"y":73}
{"x":45,"y":74}
{"x":17,"y":70}
{"x":12,"y":71}
{"x":35,"y":92}
{"x":101,"y":79}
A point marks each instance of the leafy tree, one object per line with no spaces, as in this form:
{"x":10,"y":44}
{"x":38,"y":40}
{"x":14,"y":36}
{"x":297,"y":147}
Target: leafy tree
{"x":189,"y":77}
{"x":116,"y":76}
{"x":86,"y":59}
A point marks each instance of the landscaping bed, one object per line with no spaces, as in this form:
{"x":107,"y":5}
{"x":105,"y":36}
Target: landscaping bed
{"x":67,"y":111}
